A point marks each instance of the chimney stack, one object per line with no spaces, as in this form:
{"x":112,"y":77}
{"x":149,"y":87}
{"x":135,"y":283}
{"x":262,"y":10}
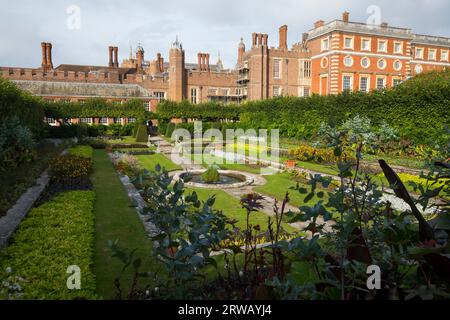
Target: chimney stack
{"x":207,"y":62}
{"x":44,"y":55}
{"x":265,"y":38}
{"x":47,"y":63}
{"x":283,"y":37}
{"x":241,"y":51}
{"x":254,"y":37}
{"x":160,"y":62}
{"x":116,"y":57}
{"x":319,"y":24}
{"x":346,"y":17}
{"x":110,"y":51}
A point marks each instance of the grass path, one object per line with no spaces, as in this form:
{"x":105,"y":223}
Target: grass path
{"x":115,"y":219}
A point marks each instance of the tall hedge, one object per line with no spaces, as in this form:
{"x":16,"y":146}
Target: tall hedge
{"x":418,"y":109}
{"x":17,"y":103}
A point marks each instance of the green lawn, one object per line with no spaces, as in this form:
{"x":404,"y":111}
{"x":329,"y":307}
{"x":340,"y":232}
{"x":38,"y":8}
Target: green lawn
{"x":227,"y":166}
{"x":321,"y":168}
{"x":115,"y":219}
{"x":278,"y":184}
{"x":82,"y":151}
{"x":125,"y":140}
{"x":233,"y":209}
{"x":149,"y":162}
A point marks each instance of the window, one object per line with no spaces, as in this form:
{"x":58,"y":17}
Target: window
{"x":325,"y":44}
{"x":366,"y":44}
{"x":382,"y":46}
{"x":396,"y":82}
{"x":131,"y":120}
{"x":304,"y":91}
{"x":348,"y":61}
{"x":104,"y":120}
{"x":444,"y":55}
{"x":397,"y":65}
{"x":382,"y":64}
{"x":277,"y":69}
{"x":419,"y":53}
{"x":418,"y":69}
{"x":365,"y":62}
{"x":50,"y":120}
{"x":348,"y":42}
{"x":146,"y":105}
{"x":398,"y":47}
{"x":160,"y":95}
{"x":276,"y":91}
{"x":347,"y":83}
{"x":432,"y":54}
{"x":194,"y":95}
{"x":86,"y":120}
{"x":117,"y":120}
{"x":381,"y":83}
{"x":307,"y":69}
{"x":364,"y":84}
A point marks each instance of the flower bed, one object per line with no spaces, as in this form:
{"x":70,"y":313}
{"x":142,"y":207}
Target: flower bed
{"x":53,"y":237}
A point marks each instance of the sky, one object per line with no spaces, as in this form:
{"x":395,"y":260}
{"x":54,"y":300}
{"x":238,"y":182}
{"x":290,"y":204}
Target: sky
{"x":82,"y":30}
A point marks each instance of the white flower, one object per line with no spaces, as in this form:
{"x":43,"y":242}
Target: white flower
{"x":8,"y":270}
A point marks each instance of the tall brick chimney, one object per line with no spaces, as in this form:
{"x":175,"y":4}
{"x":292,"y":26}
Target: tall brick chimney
{"x":346,"y":16}
{"x":241,"y":51}
{"x":207,"y":62}
{"x":160,"y":62}
{"x":283,"y":37}
{"x":44,"y":55}
{"x":110,"y":54}
{"x":319,"y":24}
{"x":116,"y":57}
{"x":49,"y":62}
{"x":254,"y":37}
{"x":265,"y":38}
{"x":200,"y":57}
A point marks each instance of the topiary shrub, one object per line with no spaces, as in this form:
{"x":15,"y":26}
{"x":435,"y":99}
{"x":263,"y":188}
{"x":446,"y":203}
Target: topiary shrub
{"x":142,"y":135}
{"x":211,"y":175}
{"x":169,"y":130}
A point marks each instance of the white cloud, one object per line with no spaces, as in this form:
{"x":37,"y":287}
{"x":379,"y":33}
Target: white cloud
{"x":208,"y":26}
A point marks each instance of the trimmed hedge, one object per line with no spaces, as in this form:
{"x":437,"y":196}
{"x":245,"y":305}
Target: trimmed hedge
{"x":28,"y":109}
{"x":417,"y":109}
{"x":53,"y":237}
{"x":96,"y":108}
{"x":142,"y":135}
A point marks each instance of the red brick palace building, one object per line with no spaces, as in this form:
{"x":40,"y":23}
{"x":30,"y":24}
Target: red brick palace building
{"x":329,"y":59}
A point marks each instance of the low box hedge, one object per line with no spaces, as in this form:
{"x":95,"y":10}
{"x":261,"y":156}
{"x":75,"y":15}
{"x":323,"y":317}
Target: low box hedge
{"x":53,"y":237}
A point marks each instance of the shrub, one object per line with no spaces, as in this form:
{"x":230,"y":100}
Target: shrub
{"x":311,"y":154}
{"x":53,"y":237}
{"x":70,"y":167}
{"x":142,"y":135}
{"x":127,"y":164}
{"x":96,"y":130}
{"x":96,"y":143}
{"x":16,"y":143}
{"x":211,"y":175}
{"x":82,"y":151}
{"x":169,"y":130}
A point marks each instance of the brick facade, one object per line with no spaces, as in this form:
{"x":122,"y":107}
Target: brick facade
{"x":330,"y":58}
